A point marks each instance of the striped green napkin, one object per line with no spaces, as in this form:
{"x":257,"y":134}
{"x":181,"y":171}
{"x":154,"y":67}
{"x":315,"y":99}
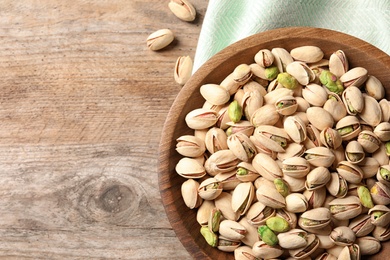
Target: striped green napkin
{"x":227,"y":21}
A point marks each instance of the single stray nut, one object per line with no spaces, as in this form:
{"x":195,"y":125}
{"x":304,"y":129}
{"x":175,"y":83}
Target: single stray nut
{"x":183,"y":9}
{"x":159,"y":39}
{"x":183,"y":69}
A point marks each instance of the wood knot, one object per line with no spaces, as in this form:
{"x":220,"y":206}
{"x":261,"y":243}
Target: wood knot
{"x":114,"y":199}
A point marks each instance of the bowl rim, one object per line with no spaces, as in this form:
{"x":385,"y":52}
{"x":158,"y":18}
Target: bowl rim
{"x":167,"y":140}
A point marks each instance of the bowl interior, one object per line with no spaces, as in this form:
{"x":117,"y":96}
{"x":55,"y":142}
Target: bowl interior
{"x":183,"y":219}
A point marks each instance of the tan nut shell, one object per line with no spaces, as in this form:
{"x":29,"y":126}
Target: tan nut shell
{"x":214,"y":94}
{"x":353,"y":209}
{"x":215,"y":140}
{"x":337,"y":185}
{"x":201,"y":118}
{"x":224,"y":203}
{"x":355,"y":76}
{"x":368,"y":245}
{"x":241,"y":146}
{"x":190,"y":168}
{"x":189,"y":192}
{"x":335,"y":107}
{"x":301,"y":72}
{"x":293,"y":239}
{"x":263,"y":132}
{"x":289,"y":109}
{"x":342,"y":236}
{"x":361,"y":225}
{"x":282,"y":58}
{"x":369,"y":145}
{"x":295,"y":128}
{"x":182,"y":9}
{"x":374,"y":88}
{"x":321,"y":214}
{"x":242,"y":197}
{"x":270,"y":197}
{"x":265,"y":115}
{"x":353,"y":100}
{"x":317,"y":178}
{"x":296,"y":167}
{"x":266,"y":166}
{"x":330,"y":138}
{"x":372,"y":113}
{"x":349,"y":121}
{"x":338,"y":63}
{"x":210,"y":194}
{"x":382,"y":131}
{"x":383,"y":220}
{"x":351,"y":172}
{"x":315,"y":94}
{"x":319,"y":118}
{"x":221,"y":161}
{"x":354,"y":152}
{"x":320,"y":156}
{"x":309,"y":54}
{"x":258,"y":214}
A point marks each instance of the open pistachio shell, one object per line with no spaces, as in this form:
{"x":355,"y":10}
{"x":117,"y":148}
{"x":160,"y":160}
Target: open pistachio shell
{"x":293,"y":239}
{"x":331,"y":138}
{"x":242,"y":197}
{"x":382,"y":131}
{"x":383,"y":174}
{"x":241,"y":146}
{"x":348,"y":127}
{"x":229,"y":180}
{"x":353,"y":100}
{"x":319,"y":156}
{"x":296,"y":167}
{"x":215,"y":140}
{"x":258,"y":214}
{"x":286,"y":105}
{"x":272,"y":137}
{"x":354,"y":77}
{"x":301,"y":72}
{"x":311,"y":246}
{"x":368,"y":245}
{"x":244,"y":253}
{"x":263,"y":251}
{"x":317,"y":178}
{"x":361,"y":225}
{"x":342,"y":236}
{"x":270,"y":197}
{"x":315,"y":198}
{"x":380,"y":193}
{"x":312,"y":137}
{"x":337,"y":185}
{"x":307,"y":53}
{"x":296,"y":203}
{"x":221,"y":161}
{"x":224,"y":203}
{"x":246,"y":172}
{"x":266,"y":166}
{"x":380,"y":215}
{"x":350,"y":252}
{"x":264,"y":58}
{"x":354,"y":152}
{"x":315,"y":218}
{"x":369,"y":141}
{"x":190,"y":168}
{"x":292,"y":150}
{"x":351,"y":172}
{"x":227,"y":244}
{"x":282,"y":58}
{"x":315,"y":94}
{"x":374,"y":87}
{"x":251,"y":235}
{"x":335,"y":106}
{"x":345,"y":208}
{"x":338,"y":63}
{"x":204,"y":211}
{"x":381,"y":233}
{"x":265,"y":115}
{"x":231,"y":229}
{"x":201,"y":118}
{"x":369,"y":166}
{"x":210,"y":189}
{"x":251,"y":101}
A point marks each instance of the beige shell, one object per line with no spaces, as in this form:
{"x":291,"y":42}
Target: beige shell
{"x":353,"y":100}
{"x":383,"y":220}
{"x":251,"y":173}
{"x":221,"y":161}
{"x":189,"y":192}
{"x":315,"y":218}
{"x":264,"y":58}
{"x":204,"y":211}
{"x":315,"y":94}
{"x":258,"y":214}
{"x":351,"y":172}
{"x":251,"y":235}
{"x":369,"y":141}
{"x":190,"y":146}
{"x":381,"y":233}
{"x":266,"y":166}
{"x":241,"y":146}
{"x":342,"y":236}
{"x":274,"y":95}
{"x":282,"y":58}
{"x":270,"y":197}
{"x":296,"y":203}
{"x":345,"y":208}
{"x":263,"y":251}
{"x":382,"y":131}
{"x":350,"y":252}
{"x":190,"y":168}
{"x":348,"y":122}
{"x":183,"y":9}
{"x":296,"y":167}
{"x":319,"y":118}
{"x":335,"y":106}
{"x":312,"y":137}
{"x":292,"y":150}
{"x":201,"y":118}
{"x":243,"y":253}
{"x":361,"y":225}
{"x":215,"y":140}
{"x":231,"y":229}
{"x":337,"y":185}
{"x":368,"y":245}
{"x":380,"y":193}
{"x":295,"y":128}
{"x":210,"y":189}
{"x":354,"y":77}
{"x":301,"y":72}
{"x":381,"y":155}
{"x":261,"y":148}
{"x":319,"y":156}
{"x":315,"y":198}
{"x":224,"y":203}
{"x":354,"y":152}
{"x":295,"y":184}
{"x":385,"y":179}
{"x":330,"y":138}
{"x":307,"y":53}
{"x":372,"y":113}
{"x":317,"y":178}
{"x":374,"y":88}
{"x":251,"y":101}
{"x":338,"y":63}
{"x":290,"y":217}
{"x":229,"y":180}
{"x":271,"y":137}
{"x":265,"y":115}
{"x":302,"y":103}
{"x":293,"y":239}
{"x":242,"y":197}
{"x":286,"y":105}
{"x":242,"y":126}
{"x":214,"y":94}
{"x":302,"y":252}
{"x":223,"y":118}
{"x":369,"y":166}
{"x":385,"y":107}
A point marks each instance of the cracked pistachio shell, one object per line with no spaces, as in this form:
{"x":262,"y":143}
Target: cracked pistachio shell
{"x":361,"y":225}
{"x":244,"y":253}
{"x":339,"y":155}
{"x":227,"y":245}
{"x":214,"y":94}
{"x":295,"y":128}
{"x":265,"y":115}
{"x":295,"y":184}
{"x":242,"y":197}
{"x":317,"y":178}
{"x":270,"y":197}
{"x":229,"y":180}
{"x":251,"y":235}
{"x":293,"y":239}
{"x":282,"y":58}
{"x":224,"y":203}
{"x":190,"y":168}
{"x":290,"y":217}
{"x":369,"y":141}
{"x":259,"y":71}
{"x":342,"y":236}
{"x":271,"y":137}
{"x":368,"y":245}
{"x":201,"y":118}
{"x":372,"y":113}
{"x":382,"y":154}
{"x":319,"y":156}
{"x":243,"y":126}
{"x":231,"y":229}
{"x":383,"y":174}
{"x":183,"y":69}
{"x":246,"y":172}
{"x":293,"y":149}
{"x":286,"y":105}
{"x":204,"y":211}
{"x":230,"y":84}
{"x":210,"y":189}
{"x":350,"y":172}
{"x":258,"y":214}
{"x":261,"y":148}
{"x":381,"y":233}
{"x":380,"y":193}
{"x":312,"y":137}
{"x":183,"y":9}
{"x":315,"y":218}
{"x":338,"y":63}
{"x":354,"y":152}
{"x":330,"y":138}
{"x":296,"y":203}
{"x":319,"y":118}
{"x":305,"y":251}
{"x":221,"y":161}
{"x":350,"y":252}
{"x":354,"y":77}
{"x":241,"y":146}
{"x":307,"y":54}
{"x":190,"y":146}
{"x":382,"y":131}
{"x":266,"y":166}
{"x":348,"y":127}
{"x":296,"y":167}
{"x":315,"y":94}
{"x":263,"y":251}
{"x":315,"y":198}
{"x":337,"y":185}
{"x":326,"y":256}
{"x":345,"y":208}
{"x":380,"y":215}
{"x":251,"y":101}
{"x":242,"y":73}
{"x":335,"y":106}
{"x":325,"y":242}
{"x":264,"y":58}
{"x":353,"y":100}
{"x":385,"y":107}
{"x":369,"y":166}
{"x":189,"y":192}
{"x":215,"y":140}
{"x":273,"y":96}
{"x":159,"y":39}
{"x":374,"y":88}
{"x":301,"y":72}
{"x":302,"y":103}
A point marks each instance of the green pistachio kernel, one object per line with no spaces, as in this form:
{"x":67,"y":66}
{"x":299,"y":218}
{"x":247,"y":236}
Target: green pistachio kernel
{"x":287,"y":80}
{"x":278,"y":224}
{"x":331,"y":82}
{"x":215,"y":219}
{"x":271,"y":72}
{"x":210,"y":237}
{"x":385,"y":173}
{"x":241,"y":171}
{"x":282,"y":187}
{"x":377,"y":214}
{"x":345,"y":130}
{"x":365,"y":197}
{"x":387,"y":145}
{"x":280,"y":140}
{"x":267,"y":235}
{"x":235,"y":111}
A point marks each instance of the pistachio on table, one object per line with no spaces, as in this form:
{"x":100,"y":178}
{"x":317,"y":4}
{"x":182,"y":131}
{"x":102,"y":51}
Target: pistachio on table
{"x":159,"y":39}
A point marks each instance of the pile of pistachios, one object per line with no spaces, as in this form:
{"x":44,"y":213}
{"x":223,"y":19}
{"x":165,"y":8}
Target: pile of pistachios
{"x":290,"y":158}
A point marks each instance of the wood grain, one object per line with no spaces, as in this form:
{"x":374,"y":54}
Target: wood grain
{"x":83,"y":102}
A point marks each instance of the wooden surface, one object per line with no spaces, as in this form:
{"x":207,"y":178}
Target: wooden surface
{"x":83,"y":102}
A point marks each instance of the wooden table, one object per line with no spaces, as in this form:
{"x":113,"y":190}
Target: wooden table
{"x":83,"y":102}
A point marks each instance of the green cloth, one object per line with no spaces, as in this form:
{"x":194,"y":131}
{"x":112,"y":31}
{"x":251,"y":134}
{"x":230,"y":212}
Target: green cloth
{"x":227,"y":21}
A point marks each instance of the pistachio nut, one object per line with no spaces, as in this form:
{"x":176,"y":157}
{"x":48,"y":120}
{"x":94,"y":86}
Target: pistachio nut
{"x":369,"y":166}
{"x":350,"y":252}
{"x":244,"y":253}
{"x":222,"y":118}
{"x":183,"y":69}
{"x":251,"y":235}
{"x":351,"y":172}
{"x":190,"y":168}
{"x":246,"y":172}
{"x":319,"y":118}
{"x":301,"y":72}
{"x":214,"y":94}
{"x":326,"y":256}
{"x":381,"y":233}
{"x":335,"y":250}
{"x":382,"y":131}
{"x":214,"y":220}
{"x":264,"y":251}
{"x":221,"y":161}
{"x":330,"y":138}
{"x":312,"y":137}
{"x":385,"y":107}
{"x":286,"y":105}
{"x":258,"y":214}
{"x":354,"y":152}
{"x":368,"y":245}
{"x":308,"y":54}
{"x":201,"y":118}
{"x":331,"y":82}
{"x":224,"y":203}
{"x":267,"y":235}
{"x":369,"y":141}
{"x":204,"y":211}
{"x":319,"y":156}
{"x":281,"y":58}
{"x":189,"y":192}
{"x":270,"y":197}
{"x":380,"y":215}
{"x":361,"y":225}
{"x":316,"y":218}
{"x":315,"y":94}
{"x":265,"y":115}
{"x":243,"y":126}
{"x":337,"y":185}
{"x":231,"y":229}
{"x":311,"y":246}
{"x":210,"y":237}
{"x":234,"y":111}
{"x":348,"y":127}
{"x":372,"y":113}
{"x":271,"y":137}
{"x":295,"y":128}
{"x":353,"y":100}
{"x":345,"y":208}
{"x":278,"y":224}
{"x":342,"y":236}
{"x":338,"y":63}
{"x":287,"y":80}
{"x":292,"y":150}
{"x":354,"y":77}
{"x":296,"y":203}
{"x":264,"y":58}
{"x":242,"y":197}
{"x":251,"y":101}
{"x":227,"y":245}
{"x":315,"y":198}
{"x":241,"y":146}
{"x":272,"y":96}
{"x":183,"y":9}
{"x":241,"y":74}
{"x":210,"y":189}
{"x":266,"y":166}
{"x":382,"y":154}
{"x":380,"y":193}
{"x":365,"y":197}
{"x":335,"y":106}
{"x":374,"y":87}
{"x":317,"y":178}
{"x":383,"y":174}
{"x":296,"y":167}
{"x":229,"y":180}
{"x":282,"y":186}
{"x":159,"y":39}
{"x":271,"y":72}
{"x":290,"y":217}
{"x":191,"y":146}
{"x":215,"y":140}
{"x":295,"y":184}
{"x":261,"y":148}
{"x":230,"y":84}
{"x":293,"y":239}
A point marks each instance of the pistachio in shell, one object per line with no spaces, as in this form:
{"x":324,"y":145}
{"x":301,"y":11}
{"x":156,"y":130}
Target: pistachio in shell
{"x":380,"y":215}
{"x":293,"y":239}
{"x":331,"y":138}
{"x":348,"y":127}
{"x":210,"y":189}
{"x":262,"y":250}
{"x":380,"y":193}
{"x":354,"y":152}
{"x":315,"y":94}
{"x":319,"y":117}
{"x":189,"y":192}
{"x":353,"y":100}
{"x":231,"y":229}
{"x":345,"y":208}
{"x":342,"y":236}
{"x":190,"y":168}
{"x":242,"y":197}
{"x":368,"y":245}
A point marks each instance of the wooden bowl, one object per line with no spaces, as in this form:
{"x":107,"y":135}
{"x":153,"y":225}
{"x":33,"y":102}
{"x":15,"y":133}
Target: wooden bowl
{"x":183,"y":219}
